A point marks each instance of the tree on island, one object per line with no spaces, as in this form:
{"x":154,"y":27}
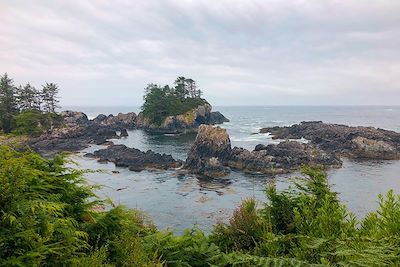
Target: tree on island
{"x":161,"y":102}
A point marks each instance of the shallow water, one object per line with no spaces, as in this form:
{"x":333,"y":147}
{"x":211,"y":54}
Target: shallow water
{"x":180,"y":201}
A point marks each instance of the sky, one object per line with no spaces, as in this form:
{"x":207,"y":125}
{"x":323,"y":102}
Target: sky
{"x":261,"y":52}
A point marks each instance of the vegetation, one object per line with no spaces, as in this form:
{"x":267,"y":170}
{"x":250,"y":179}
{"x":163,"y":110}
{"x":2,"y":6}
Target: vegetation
{"x":50,"y":217}
{"x":26,"y":110}
{"x":161,"y":102}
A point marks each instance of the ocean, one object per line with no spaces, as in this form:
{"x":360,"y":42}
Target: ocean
{"x":177,"y":201}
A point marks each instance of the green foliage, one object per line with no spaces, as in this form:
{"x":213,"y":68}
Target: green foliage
{"x":20,"y":107}
{"x":34,"y":122}
{"x":50,"y":217}
{"x":161,"y":102}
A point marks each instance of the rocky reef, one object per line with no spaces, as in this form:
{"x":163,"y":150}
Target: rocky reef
{"x":353,"y":142}
{"x":212,"y":155}
{"x":134,"y":159}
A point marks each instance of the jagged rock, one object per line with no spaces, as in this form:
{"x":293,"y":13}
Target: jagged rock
{"x":216,"y":117}
{"x":211,"y":149}
{"x":121,"y":121}
{"x":134,"y":159}
{"x":281,"y":158}
{"x":74,"y":117}
{"x":357,"y":142}
{"x":260,"y":147}
{"x":124,"y":133}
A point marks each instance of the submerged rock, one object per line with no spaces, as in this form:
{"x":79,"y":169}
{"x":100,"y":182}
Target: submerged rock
{"x":134,"y":159}
{"x":210,"y":152}
{"x":356,"y":142}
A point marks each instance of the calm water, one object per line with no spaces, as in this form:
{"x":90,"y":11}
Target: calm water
{"x":181,"y":201}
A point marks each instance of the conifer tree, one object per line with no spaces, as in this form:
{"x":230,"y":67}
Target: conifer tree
{"x":50,"y":98}
{"x":27,"y":97}
{"x":8,"y":103}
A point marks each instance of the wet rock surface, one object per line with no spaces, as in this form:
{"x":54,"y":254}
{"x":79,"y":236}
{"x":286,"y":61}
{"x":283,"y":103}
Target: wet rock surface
{"x":281,"y":158}
{"x":355,"y":142}
{"x":211,"y":154}
{"x":134,"y":159}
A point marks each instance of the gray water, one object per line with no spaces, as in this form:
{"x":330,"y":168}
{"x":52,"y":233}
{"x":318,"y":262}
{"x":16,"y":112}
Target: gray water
{"x":181,"y":201}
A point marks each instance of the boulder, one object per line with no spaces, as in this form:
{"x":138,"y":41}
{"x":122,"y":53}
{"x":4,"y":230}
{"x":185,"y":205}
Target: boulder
{"x":210,"y":151}
{"x":124,"y":133}
{"x":216,"y":117}
{"x":373,"y":149}
{"x":118,"y":122}
{"x":74,"y":117}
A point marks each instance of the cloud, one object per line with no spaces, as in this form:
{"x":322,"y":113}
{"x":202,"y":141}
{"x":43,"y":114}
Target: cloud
{"x":260,"y":52}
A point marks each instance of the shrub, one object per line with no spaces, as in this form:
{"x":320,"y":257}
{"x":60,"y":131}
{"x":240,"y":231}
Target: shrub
{"x":34,"y":122}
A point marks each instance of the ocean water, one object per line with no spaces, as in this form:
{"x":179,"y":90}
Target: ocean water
{"x":179,"y":201}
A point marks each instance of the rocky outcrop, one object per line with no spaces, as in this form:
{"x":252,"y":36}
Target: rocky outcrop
{"x":210,"y":152}
{"x":134,"y":159}
{"x":187,"y":122}
{"x":72,"y":138}
{"x":211,"y":155}
{"x":281,"y":158}
{"x":74,"y":117}
{"x":118,"y":122}
{"x":355,"y":142}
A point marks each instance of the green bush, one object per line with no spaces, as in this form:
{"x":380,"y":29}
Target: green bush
{"x":34,"y":122}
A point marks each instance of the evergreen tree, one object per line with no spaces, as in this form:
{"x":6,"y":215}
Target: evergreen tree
{"x":191,"y":87}
{"x":180,"y":88}
{"x":8,"y":103}
{"x":27,"y":97}
{"x":50,"y":98}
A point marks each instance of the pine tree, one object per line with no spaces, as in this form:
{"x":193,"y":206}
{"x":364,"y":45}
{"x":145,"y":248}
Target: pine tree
{"x":27,"y":97}
{"x":180,"y":88}
{"x":8,"y":103}
{"x":50,"y":98}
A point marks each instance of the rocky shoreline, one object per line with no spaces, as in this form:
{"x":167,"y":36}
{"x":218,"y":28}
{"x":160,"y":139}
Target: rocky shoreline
{"x":354,"y":142}
{"x":212,"y":154}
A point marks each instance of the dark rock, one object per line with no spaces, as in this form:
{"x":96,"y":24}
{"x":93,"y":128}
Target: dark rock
{"x":134,"y":159}
{"x":121,"y":121}
{"x":285,"y":157}
{"x":260,"y":147}
{"x":216,"y":117}
{"x":357,"y":142}
{"x":211,"y":149}
{"x":74,"y":117}
{"x":124,"y":133}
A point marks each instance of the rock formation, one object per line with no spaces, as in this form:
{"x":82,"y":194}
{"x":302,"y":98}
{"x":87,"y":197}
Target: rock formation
{"x":355,"y":142}
{"x":210,"y":151}
{"x":211,"y":154}
{"x":134,"y":159}
{"x":187,"y":122}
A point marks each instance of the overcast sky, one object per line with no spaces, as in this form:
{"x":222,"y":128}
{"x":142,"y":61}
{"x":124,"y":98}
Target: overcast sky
{"x":266,"y":52}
